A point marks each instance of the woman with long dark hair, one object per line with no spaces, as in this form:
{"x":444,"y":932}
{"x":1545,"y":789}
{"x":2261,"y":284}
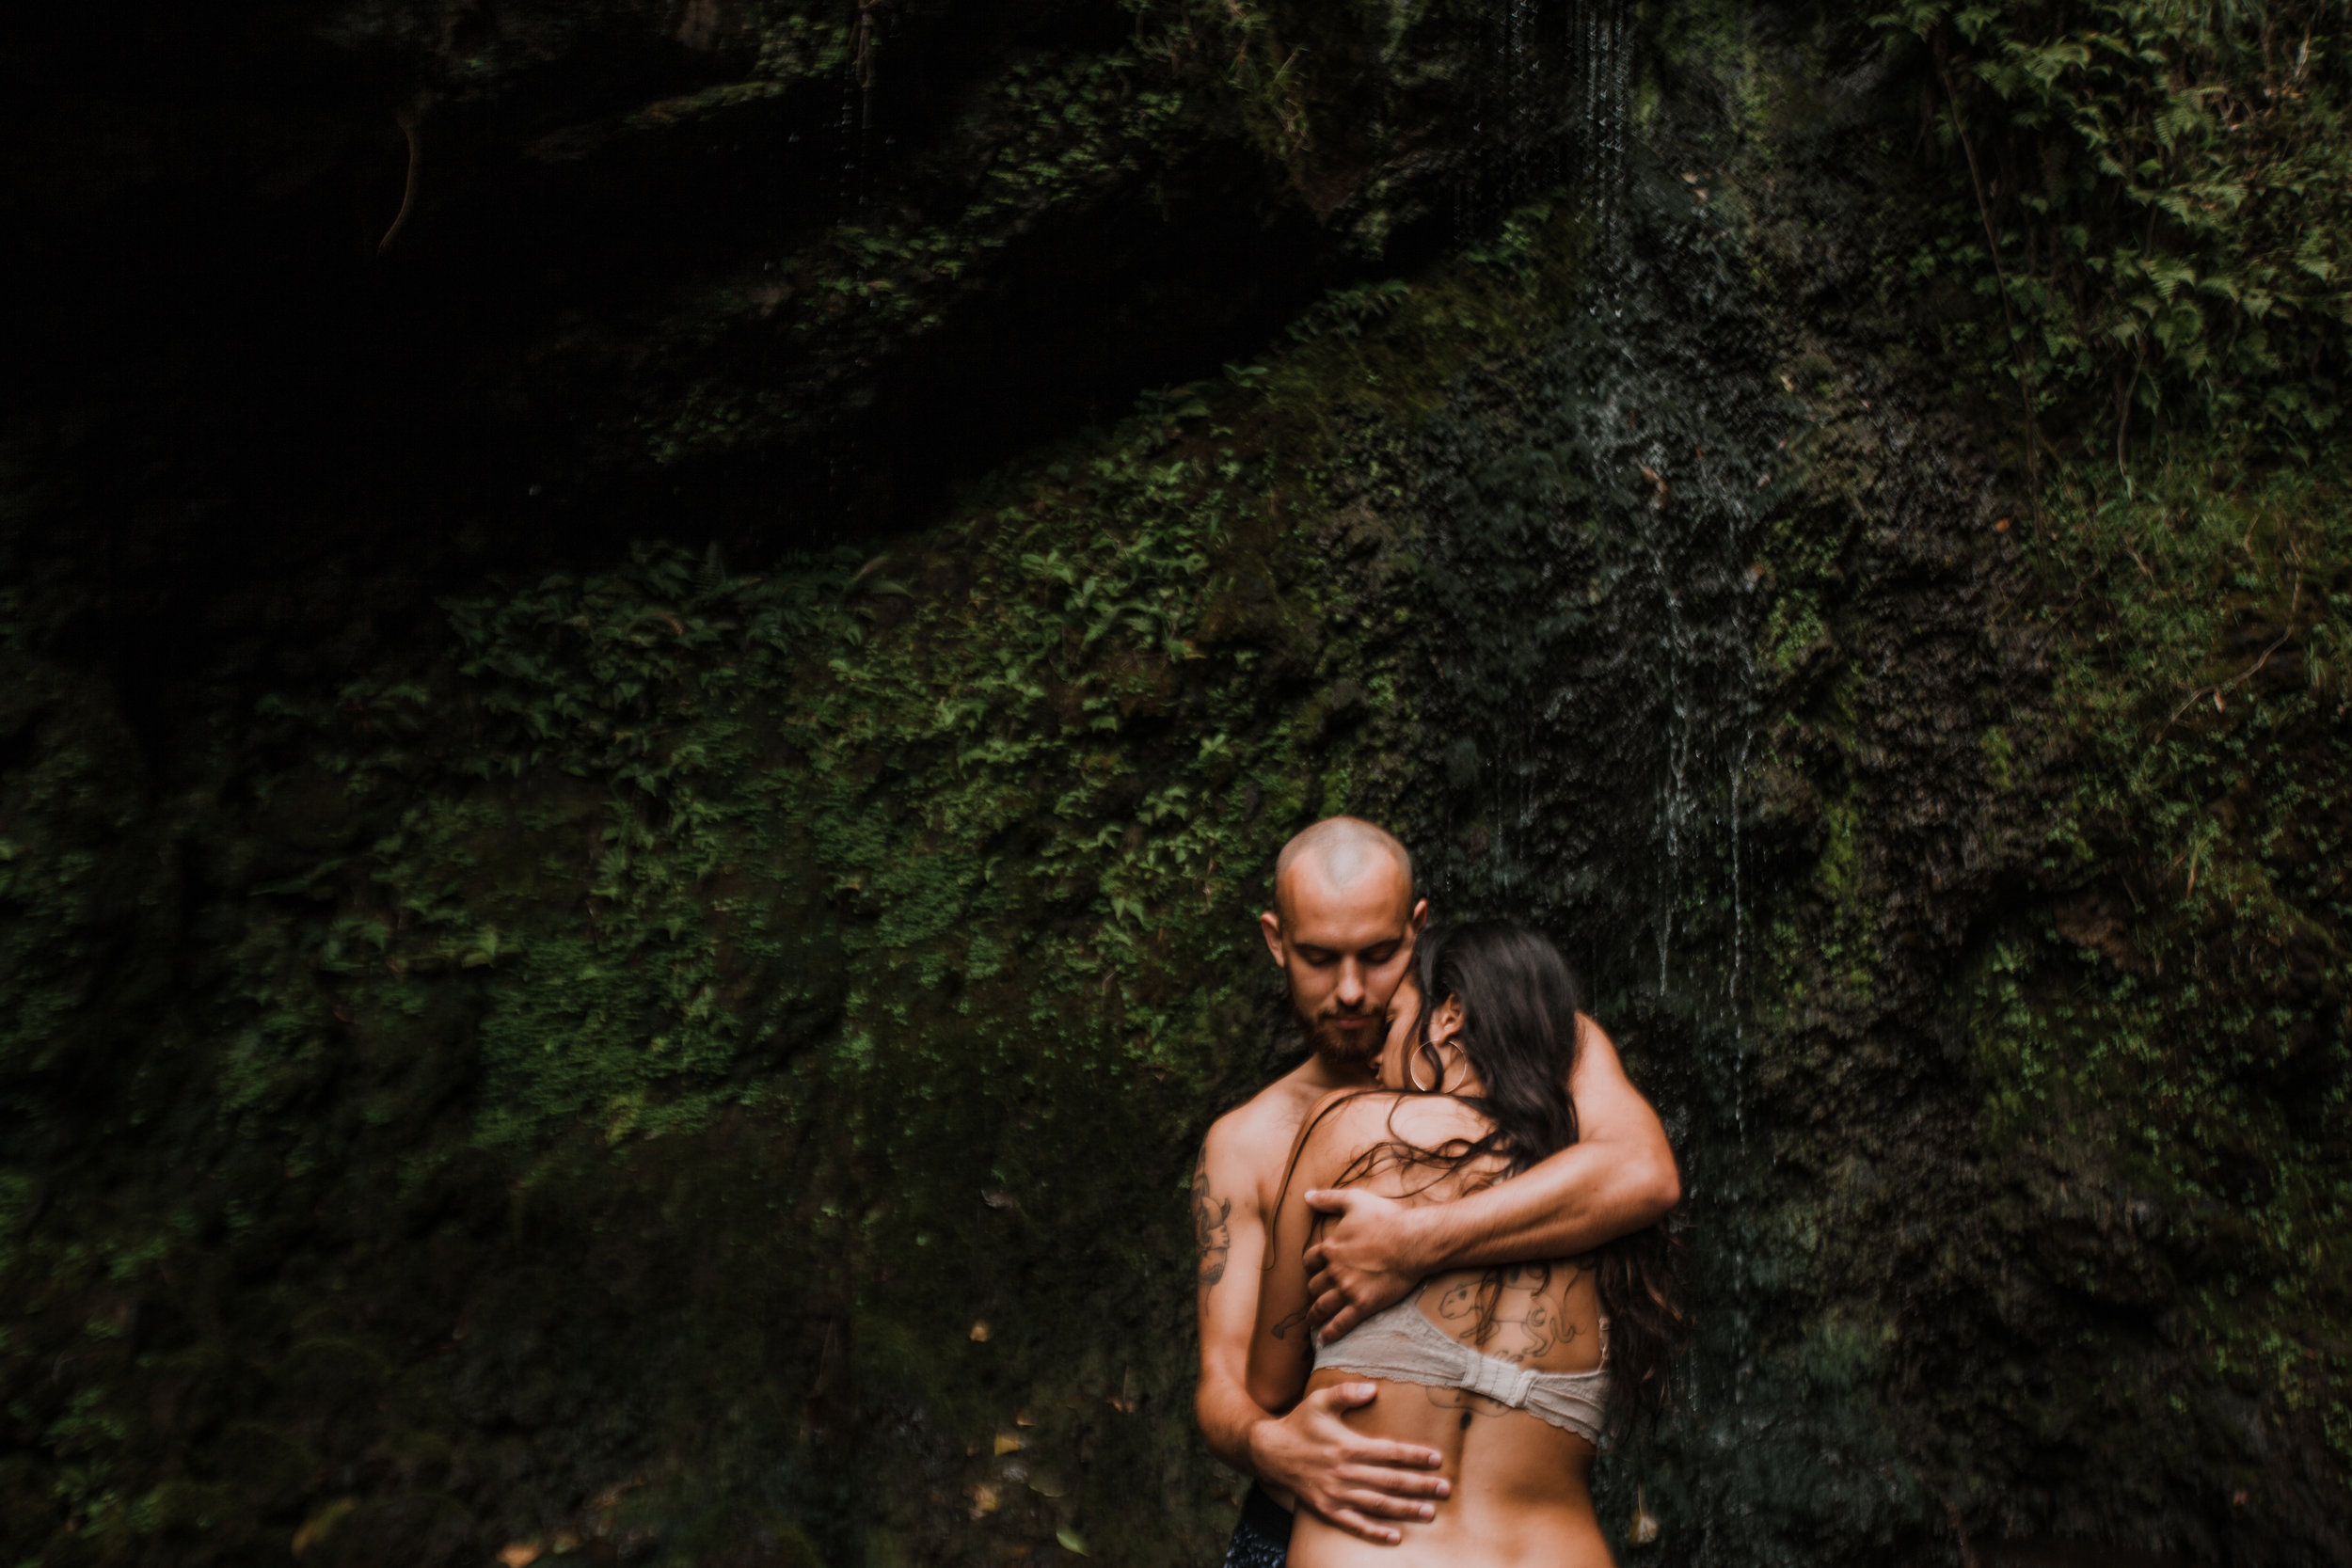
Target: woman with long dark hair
{"x":1511,"y":1373}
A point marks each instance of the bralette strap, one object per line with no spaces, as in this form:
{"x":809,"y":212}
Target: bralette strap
{"x":1496,"y":1379}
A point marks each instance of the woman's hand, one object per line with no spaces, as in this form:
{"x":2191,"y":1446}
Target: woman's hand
{"x":1369,"y":1258}
{"x":1337,"y":1472}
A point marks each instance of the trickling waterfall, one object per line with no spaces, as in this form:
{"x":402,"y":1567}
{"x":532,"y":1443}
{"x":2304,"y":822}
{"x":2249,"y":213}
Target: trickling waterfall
{"x":1523,"y":77}
{"x":1551,"y":98}
{"x":1633,"y":505}
{"x":1595,"y":532}
{"x":1604,"y":94}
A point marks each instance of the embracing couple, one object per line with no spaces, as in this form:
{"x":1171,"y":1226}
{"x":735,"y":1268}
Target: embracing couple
{"x":1431,"y":1274}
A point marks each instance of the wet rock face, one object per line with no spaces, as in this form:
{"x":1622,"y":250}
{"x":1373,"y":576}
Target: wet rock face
{"x":1698,"y":691}
{"x":1918,"y":1275}
{"x":548,"y":1014}
{"x":809,"y":266}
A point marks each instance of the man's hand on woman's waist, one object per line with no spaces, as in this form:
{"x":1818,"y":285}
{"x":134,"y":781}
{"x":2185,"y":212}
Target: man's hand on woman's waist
{"x":1314,"y":1458}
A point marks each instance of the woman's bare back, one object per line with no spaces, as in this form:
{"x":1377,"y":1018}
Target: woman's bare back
{"x":1520,"y":1484}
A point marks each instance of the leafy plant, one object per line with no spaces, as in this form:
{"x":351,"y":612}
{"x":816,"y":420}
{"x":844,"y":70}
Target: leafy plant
{"x":2154,"y":212}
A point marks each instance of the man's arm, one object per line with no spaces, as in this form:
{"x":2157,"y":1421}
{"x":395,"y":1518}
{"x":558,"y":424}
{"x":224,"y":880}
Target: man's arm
{"x":1618,"y":1177}
{"x":1282,"y":1349}
{"x":1311,"y":1453}
{"x":1226,"y":1298}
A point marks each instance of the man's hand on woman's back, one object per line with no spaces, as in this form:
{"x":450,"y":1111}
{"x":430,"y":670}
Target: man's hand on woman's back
{"x":1368,"y":1259}
{"x":1351,"y":1479}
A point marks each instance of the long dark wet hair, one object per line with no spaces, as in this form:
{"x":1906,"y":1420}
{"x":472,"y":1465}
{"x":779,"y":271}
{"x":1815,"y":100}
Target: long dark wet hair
{"x":1520,"y":1031}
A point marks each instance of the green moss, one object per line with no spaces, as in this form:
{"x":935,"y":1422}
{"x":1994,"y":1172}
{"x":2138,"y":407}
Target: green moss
{"x":2187,"y":1023}
{"x":2000,"y":757}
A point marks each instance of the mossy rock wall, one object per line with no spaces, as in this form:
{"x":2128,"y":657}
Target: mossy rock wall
{"x":616,"y":943}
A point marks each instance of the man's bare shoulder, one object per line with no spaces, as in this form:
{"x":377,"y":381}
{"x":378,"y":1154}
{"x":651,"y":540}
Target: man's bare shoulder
{"x":1256,"y":1135}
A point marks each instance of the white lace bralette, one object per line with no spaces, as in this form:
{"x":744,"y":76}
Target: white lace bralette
{"x":1402,"y":1345}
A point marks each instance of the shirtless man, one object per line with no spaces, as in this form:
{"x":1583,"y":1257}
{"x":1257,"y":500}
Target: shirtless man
{"x":1343,"y":929}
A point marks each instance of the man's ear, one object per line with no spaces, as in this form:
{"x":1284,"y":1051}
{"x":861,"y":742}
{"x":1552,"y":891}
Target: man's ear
{"x":1270,"y":926}
{"x":1420,"y":915}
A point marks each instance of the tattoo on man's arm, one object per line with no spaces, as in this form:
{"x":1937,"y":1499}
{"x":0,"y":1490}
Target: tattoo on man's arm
{"x":1211,"y":1230}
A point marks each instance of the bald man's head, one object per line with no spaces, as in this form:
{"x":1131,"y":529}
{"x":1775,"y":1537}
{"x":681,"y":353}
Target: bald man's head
{"x":1342,"y":926}
{"x":1351,"y":857}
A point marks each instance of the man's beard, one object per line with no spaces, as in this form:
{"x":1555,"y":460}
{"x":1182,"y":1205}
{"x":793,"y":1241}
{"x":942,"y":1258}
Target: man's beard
{"x":1357,"y":1047}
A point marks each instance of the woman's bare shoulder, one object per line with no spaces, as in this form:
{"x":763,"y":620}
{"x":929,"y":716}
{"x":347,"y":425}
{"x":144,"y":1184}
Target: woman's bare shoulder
{"x":1344,"y":1110}
{"x":1345,"y":1122}
{"x":1428,"y":1118}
